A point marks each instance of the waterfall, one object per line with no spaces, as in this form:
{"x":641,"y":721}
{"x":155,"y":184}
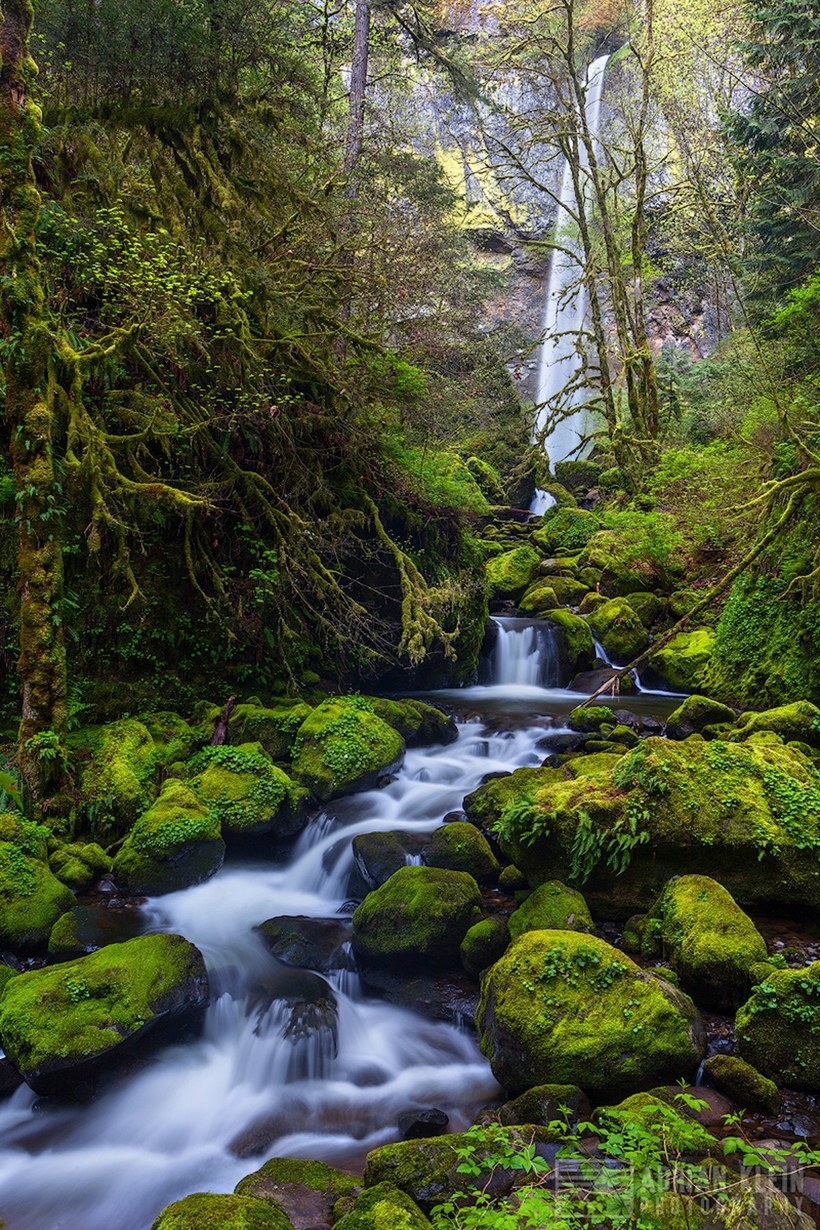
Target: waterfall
{"x":525,"y":654}
{"x":541,"y":502}
{"x":566,"y":303}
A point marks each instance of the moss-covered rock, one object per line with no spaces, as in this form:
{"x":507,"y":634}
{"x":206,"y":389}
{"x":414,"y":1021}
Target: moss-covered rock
{"x":551,"y":907}
{"x":176,"y":843}
{"x":648,"y":607}
{"x":461,"y":847}
{"x":742,"y":1083}
{"x":174,"y":738}
{"x":246,"y":792}
{"x":619,"y":630}
{"x":305,"y":1191}
{"x":539,"y":598}
{"x":699,"y":928}
{"x":579,"y":477}
{"x":591,"y":602}
{"x":564,"y":1007}
{"x":419,"y":916}
{"x":747,"y":813}
{"x":778,"y":1028}
{"x":65,"y":1022}
{"x":798,"y":721}
{"x":695,"y":714}
{"x":209,"y":1211}
{"x":545,"y":1104}
{"x":509,"y":575}
{"x":483,"y":944}
{"x":575,"y":644}
{"x":684,"y":661}
{"x":622,"y":570}
{"x":379,"y":855}
{"x":344,"y":746}
{"x":118,"y":772}
{"x":78,"y":865}
{"x":512,"y":878}
{"x":274,"y":728}
{"x":592,"y":718}
{"x":680,"y":1133}
{"x":381,"y":1207}
{"x":30,"y":837}
{"x":31,"y":899}
{"x":418,"y":724}
{"x":565,"y":529}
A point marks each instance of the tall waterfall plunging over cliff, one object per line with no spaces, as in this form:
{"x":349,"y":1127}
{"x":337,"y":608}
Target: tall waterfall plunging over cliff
{"x":566,"y":302}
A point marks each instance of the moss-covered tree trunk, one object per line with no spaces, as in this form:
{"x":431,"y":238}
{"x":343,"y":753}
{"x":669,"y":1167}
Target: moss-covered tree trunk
{"x":30,"y":417}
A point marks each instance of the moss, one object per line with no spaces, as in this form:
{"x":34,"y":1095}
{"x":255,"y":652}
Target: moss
{"x":417,"y":723}
{"x":207,"y":1211}
{"x":579,"y":477}
{"x":576,"y":646}
{"x":285,"y":1182}
{"x":747,"y":813}
{"x":684,"y":662}
{"x":675,"y":1133}
{"x":176,"y":843}
{"x":648,"y":607}
{"x":697,"y":926}
{"x":274,"y":728}
{"x":591,"y":718}
{"x":174,"y":738}
{"x":623,"y":570}
{"x":591,"y":602}
{"x":79,"y":865}
{"x":118,"y":770}
{"x":798,"y":721}
{"x":540,"y":597}
{"x":31,"y":900}
{"x":551,"y":907}
{"x":778,"y":1028}
{"x":742,"y":1083}
{"x":246,"y":791}
{"x":565,"y":1007}
{"x":483,"y":944}
{"x":695,"y":714}
{"x":509,"y":575}
{"x":56,"y":1018}
{"x":511,"y":878}
{"x":343,"y":746}
{"x":29,"y":837}
{"x":461,"y":847}
{"x":547,"y":1104}
{"x":487,"y":479}
{"x":6,"y":975}
{"x":420,"y":915}
{"x":382,"y":1207}
{"x":565,"y":528}
{"x":619,"y":630}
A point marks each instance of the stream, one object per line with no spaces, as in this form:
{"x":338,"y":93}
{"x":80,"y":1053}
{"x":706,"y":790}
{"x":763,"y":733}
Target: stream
{"x":332,"y":1091}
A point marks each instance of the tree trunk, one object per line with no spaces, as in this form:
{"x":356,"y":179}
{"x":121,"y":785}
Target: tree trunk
{"x":30,"y":420}
{"x":358,"y":88}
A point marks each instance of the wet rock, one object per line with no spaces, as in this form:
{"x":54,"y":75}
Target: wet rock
{"x":176,"y":843}
{"x":741,"y":1082}
{"x":459,"y":846}
{"x":379,"y":855}
{"x":89,"y":927}
{"x":78,"y":865}
{"x":619,"y":629}
{"x":546,"y":1104}
{"x":320,"y":944}
{"x":446,"y":998}
{"x":344,"y":747}
{"x":419,"y":724}
{"x":509,"y":575}
{"x":419,"y":916}
{"x":483,"y":944}
{"x":684,"y":661}
{"x":694,"y":714}
{"x":305,"y":1191}
{"x":31,"y":900}
{"x":246,"y":792}
{"x":576,"y":649}
{"x":423,"y":1123}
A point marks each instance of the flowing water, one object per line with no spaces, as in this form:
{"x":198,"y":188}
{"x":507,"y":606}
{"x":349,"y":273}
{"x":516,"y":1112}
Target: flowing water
{"x":258,"y":1082}
{"x":560,"y":367}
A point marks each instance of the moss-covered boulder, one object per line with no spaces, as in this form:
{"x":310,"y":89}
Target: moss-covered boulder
{"x":539,"y":598}
{"x":509,"y":575}
{"x":381,"y":1207}
{"x":274,"y":728}
{"x":619,"y":630}
{"x":344,"y":746}
{"x":176,"y":843}
{"x":623,"y":569}
{"x":697,"y":926}
{"x":798,"y":721}
{"x":64,"y":1024}
{"x":210,"y":1211}
{"x":564,"y":1007}
{"x":546,"y":1104}
{"x":648,"y":607}
{"x":684,"y":661}
{"x":579,"y":477}
{"x":695,"y":714}
{"x":551,"y":907}
{"x":79,"y":864}
{"x":778,"y":1028}
{"x":29,"y":836}
{"x":31,"y":899}
{"x":305,"y":1191}
{"x":459,"y":846}
{"x":576,"y":647}
{"x":483,"y":944}
{"x":566,"y":529}
{"x":174,"y":738}
{"x":589,"y":719}
{"x":746,"y":813}
{"x":428,"y":1170}
{"x":117,"y":767}
{"x":419,"y":916}
{"x":246,"y":792}
{"x":680,"y":1133}
{"x":418,"y":724}
{"x":741,"y":1082}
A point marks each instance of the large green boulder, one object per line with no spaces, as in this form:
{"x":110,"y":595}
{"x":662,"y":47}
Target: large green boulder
{"x":563,"y":1007}
{"x":246,"y":792}
{"x":79,"y":864}
{"x":459,"y":846}
{"x":419,"y":916}
{"x":305,"y":1191}
{"x":539,"y":598}
{"x":546,"y":1104}
{"x":174,"y":738}
{"x":381,"y":1207}
{"x":176,"y":843}
{"x":623,"y":569}
{"x":746,"y":813}
{"x":799,"y":720}
{"x":551,"y":907}
{"x":619,"y":630}
{"x":274,"y":728}
{"x":31,"y":899}
{"x":778,"y":1028}
{"x":66,"y":1023}
{"x":698,"y":927}
{"x":117,"y":767}
{"x":417,"y":723}
{"x":344,"y":746}
{"x":566,"y":529}
{"x":684,"y":661}
{"x":509,"y":575}
{"x":576,"y":648}
{"x":210,"y":1211}
{"x":695,"y":714}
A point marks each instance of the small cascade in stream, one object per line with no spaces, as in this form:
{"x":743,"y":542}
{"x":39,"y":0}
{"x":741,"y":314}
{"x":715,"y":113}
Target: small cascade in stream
{"x":542,"y":501}
{"x":560,"y":360}
{"x":525,"y":654}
